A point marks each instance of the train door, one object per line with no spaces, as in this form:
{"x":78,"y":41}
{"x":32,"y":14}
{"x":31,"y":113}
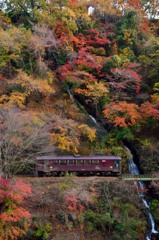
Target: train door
{"x":103,"y":163}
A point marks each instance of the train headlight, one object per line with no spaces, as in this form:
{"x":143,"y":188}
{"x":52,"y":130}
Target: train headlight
{"x":111,"y":167}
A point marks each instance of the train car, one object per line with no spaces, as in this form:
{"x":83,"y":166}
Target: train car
{"x":81,"y":165}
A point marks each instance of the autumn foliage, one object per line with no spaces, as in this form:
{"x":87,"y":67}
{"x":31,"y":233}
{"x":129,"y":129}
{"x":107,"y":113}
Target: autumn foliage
{"x":74,"y":204}
{"x":124,"y":114}
{"x":106,"y":61}
{"x":14,"y":219}
{"x":74,"y":81}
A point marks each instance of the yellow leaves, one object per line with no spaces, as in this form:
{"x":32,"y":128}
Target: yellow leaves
{"x":14,"y":39}
{"x":70,"y":13}
{"x":68,"y":18}
{"x":3,"y":99}
{"x":43,"y":17}
{"x":126,"y":55}
{"x":67,"y":134}
{"x":24,"y":86}
{"x":30,"y":85}
{"x":94,"y":90}
{"x":69,"y":48}
{"x":50,"y":77}
{"x":156,"y":88}
{"x":15,"y":98}
{"x":155,"y":99}
{"x":87,"y":132}
{"x":65,"y":143}
{"x":5,"y":20}
{"x":127,"y":36}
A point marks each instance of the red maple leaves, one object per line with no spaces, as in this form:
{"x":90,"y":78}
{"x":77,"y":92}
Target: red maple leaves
{"x":12,"y":215}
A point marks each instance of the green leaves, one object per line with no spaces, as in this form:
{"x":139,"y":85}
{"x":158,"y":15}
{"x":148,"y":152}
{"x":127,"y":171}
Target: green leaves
{"x":114,"y":213}
{"x":154,"y":206}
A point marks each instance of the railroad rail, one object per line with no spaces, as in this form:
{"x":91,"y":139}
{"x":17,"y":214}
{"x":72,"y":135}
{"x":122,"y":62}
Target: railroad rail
{"x":140,"y":177}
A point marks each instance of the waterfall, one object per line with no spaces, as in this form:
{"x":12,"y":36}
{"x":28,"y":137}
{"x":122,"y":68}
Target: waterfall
{"x":93,"y":119}
{"x":69,"y":93}
{"x":153,"y":230}
{"x":133,"y":169}
{"x":90,"y":10}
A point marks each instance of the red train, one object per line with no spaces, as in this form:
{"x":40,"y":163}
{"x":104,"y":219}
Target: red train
{"x":81,"y":165}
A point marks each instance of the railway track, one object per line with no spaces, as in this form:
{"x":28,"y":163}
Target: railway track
{"x":94,"y":179}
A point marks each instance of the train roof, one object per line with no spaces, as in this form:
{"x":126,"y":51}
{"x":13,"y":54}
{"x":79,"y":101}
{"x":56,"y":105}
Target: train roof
{"x":78,"y":158}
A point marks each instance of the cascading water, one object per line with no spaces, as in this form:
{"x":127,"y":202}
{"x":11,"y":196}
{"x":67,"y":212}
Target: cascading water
{"x":93,"y":119}
{"x":133,"y":169}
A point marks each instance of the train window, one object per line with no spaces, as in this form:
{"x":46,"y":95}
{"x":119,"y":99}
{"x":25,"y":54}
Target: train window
{"x":55,"y":162}
{"x":116,"y":164}
{"x":79,"y":162}
{"x":41,"y":162}
{"x":62,"y":162}
{"x":95,"y":162}
{"x":70,"y":162}
{"x":87,"y":162}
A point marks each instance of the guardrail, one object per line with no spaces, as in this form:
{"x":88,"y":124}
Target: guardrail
{"x":141,"y":177}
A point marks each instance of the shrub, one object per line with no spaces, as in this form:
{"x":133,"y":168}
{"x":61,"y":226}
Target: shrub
{"x":14,"y":219}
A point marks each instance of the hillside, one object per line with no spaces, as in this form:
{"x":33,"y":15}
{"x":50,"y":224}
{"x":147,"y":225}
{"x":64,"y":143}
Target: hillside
{"x":85,"y":208}
{"x":79,"y":83}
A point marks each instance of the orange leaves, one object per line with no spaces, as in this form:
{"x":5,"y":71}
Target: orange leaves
{"x":150,"y":110}
{"x":21,"y":190}
{"x":123,"y":114}
{"x":73,"y":1}
{"x":16,"y":191}
{"x":12,"y":215}
{"x":135,"y":3}
{"x":120,"y":121}
{"x":79,"y":41}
